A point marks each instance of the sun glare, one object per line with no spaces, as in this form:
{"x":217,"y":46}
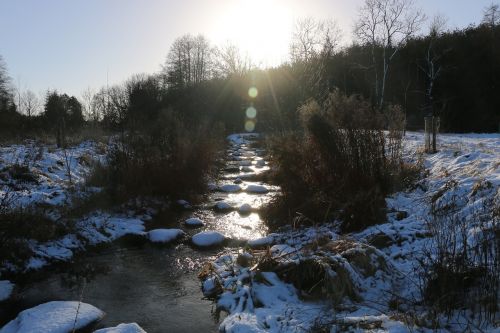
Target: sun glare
{"x":260,"y":28}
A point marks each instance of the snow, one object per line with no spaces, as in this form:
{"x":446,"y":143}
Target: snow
{"x":6,"y":288}
{"x":194,"y":222}
{"x":230,"y":188}
{"x":259,"y":242}
{"x":122,"y":328}
{"x":164,"y":235}
{"x":245,"y":208}
{"x":222,"y":205}
{"x":464,"y":171}
{"x":208,"y":238}
{"x":47,"y":167}
{"x":252,"y":188}
{"x":54,"y":317}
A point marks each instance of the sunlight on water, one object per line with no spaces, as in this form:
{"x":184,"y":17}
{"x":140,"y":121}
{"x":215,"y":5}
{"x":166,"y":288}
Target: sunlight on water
{"x":238,"y":226}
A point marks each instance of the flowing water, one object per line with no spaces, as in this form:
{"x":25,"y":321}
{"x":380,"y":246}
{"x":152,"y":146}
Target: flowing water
{"x":157,"y":286}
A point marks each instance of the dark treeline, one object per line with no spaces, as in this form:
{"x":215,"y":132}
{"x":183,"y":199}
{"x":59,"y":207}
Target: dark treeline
{"x":453,"y":74}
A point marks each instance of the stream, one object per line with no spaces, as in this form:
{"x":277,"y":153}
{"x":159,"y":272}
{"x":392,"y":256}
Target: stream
{"x":157,"y":286}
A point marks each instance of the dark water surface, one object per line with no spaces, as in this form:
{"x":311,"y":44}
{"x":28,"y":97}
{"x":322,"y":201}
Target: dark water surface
{"x":156,"y":287}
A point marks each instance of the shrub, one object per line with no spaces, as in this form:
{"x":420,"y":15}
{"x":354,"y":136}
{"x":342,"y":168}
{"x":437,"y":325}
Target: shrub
{"x":168,"y":157}
{"x":19,"y":226}
{"x":342,"y":161}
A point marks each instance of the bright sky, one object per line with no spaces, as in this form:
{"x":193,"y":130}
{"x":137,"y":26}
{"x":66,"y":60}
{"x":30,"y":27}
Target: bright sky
{"x":70,"y":45}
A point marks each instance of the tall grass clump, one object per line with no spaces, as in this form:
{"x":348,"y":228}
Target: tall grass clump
{"x":461,"y":265}
{"x":341,"y":163}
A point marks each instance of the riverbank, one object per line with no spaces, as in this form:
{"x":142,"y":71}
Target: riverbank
{"x":369,"y":280}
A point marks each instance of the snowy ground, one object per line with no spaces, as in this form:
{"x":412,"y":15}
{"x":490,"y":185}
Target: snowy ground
{"x":34,"y":173}
{"x":38,"y":175}
{"x":381,"y":261}
{"x":366,"y":269}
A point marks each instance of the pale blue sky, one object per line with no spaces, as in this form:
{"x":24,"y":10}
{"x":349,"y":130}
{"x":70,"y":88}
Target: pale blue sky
{"x":71,"y":44}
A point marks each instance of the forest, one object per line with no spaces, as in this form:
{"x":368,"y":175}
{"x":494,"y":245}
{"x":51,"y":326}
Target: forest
{"x":452,"y":74}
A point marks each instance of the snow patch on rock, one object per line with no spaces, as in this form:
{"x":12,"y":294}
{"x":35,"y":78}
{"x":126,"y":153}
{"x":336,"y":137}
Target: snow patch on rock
{"x":230,"y":188}
{"x":194,"y":222}
{"x":54,"y":317}
{"x":245,"y":208}
{"x":6,"y":288}
{"x":208,"y":238}
{"x":164,"y":235}
{"x":122,"y":328}
{"x":252,"y":188}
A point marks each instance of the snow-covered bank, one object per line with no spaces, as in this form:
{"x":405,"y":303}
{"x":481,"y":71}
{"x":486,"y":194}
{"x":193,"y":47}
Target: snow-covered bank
{"x":373,"y":273}
{"x":50,"y":179}
{"x":35,"y":173}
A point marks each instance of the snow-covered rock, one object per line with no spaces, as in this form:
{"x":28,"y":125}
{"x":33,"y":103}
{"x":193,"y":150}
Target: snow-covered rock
{"x":210,"y":286}
{"x":245,"y":209}
{"x":194,"y":222}
{"x":230,"y":188}
{"x":6,"y":288}
{"x":208,"y":238}
{"x":222,"y":205}
{"x":184,"y":204}
{"x":164,"y":235}
{"x":260,"y":242}
{"x":252,"y":188}
{"x":54,"y":317}
{"x":122,"y":328}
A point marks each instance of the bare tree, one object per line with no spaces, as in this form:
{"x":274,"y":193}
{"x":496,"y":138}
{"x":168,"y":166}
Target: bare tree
{"x":312,"y":38}
{"x":89,"y":105}
{"x":491,"y":15}
{"x":331,"y":37}
{"x":189,"y":61}
{"x":6,"y":97}
{"x":432,"y":69}
{"x":229,"y":61}
{"x":30,"y":104}
{"x":386,"y":25}
{"x":305,"y":39}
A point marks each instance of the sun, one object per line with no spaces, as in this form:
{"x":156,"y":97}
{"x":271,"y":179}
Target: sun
{"x":260,"y":28}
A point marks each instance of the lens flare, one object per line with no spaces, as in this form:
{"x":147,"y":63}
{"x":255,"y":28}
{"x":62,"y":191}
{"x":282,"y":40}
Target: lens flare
{"x":251,"y":112}
{"x":253,"y":92}
{"x":249,"y":126}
